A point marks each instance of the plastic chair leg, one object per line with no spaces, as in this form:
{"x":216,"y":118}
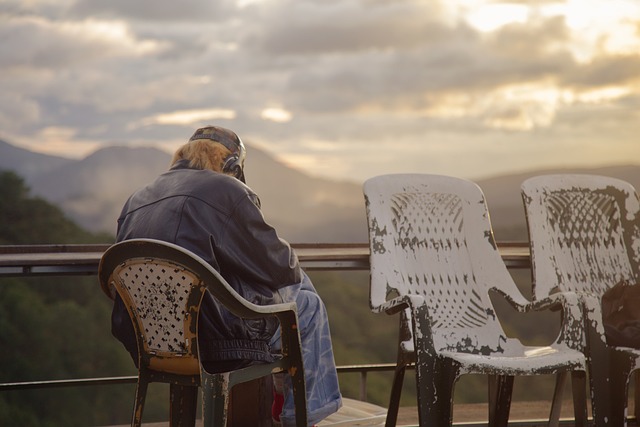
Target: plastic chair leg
{"x":435,"y":386}
{"x":619,"y":395}
{"x":394,"y":399}
{"x":500,"y":391}
{"x":579,"y":393}
{"x":215,"y":399}
{"x":636,"y":395}
{"x":184,"y":403}
{"x":138,"y":405}
{"x":556,"y":403}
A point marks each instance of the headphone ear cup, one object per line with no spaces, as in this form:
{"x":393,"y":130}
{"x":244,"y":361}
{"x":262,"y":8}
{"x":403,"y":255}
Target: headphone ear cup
{"x":231,"y":166}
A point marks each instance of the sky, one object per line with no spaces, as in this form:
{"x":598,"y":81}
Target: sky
{"x":342,"y":89}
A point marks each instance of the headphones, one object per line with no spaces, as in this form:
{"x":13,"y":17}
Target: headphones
{"x":234,"y":163}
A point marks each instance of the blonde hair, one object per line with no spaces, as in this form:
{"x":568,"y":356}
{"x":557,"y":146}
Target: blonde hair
{"x":202,"y":154}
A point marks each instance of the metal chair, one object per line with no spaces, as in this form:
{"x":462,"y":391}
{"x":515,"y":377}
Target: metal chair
{"x":434,"y":261}
{"x":584,"y":233}
{"x":162,"y":286}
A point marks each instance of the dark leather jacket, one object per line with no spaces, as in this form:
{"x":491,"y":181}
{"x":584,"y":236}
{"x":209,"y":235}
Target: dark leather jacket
{"x":218,"y":218}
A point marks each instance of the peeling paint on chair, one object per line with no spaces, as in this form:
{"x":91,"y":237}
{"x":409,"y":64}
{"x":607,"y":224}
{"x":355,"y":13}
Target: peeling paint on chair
{"x":584,"y":232}
{"x":434,"y":260}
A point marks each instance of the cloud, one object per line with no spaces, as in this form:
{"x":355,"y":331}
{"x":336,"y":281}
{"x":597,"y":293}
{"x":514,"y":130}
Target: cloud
{"x":158,"y":11}
{"x":330,"y":28}
{"x":357,"y":85}
{"x":188,"y":117}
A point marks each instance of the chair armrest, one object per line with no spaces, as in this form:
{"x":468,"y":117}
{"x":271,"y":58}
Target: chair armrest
{"x":593,"y":319}
{"x":572,"y":330}
{"x":415,"y":322}
{"x":572,"y":333}
{"x":397,"y":304}
{"x":515,"y":299}
{"x":239,"y":306}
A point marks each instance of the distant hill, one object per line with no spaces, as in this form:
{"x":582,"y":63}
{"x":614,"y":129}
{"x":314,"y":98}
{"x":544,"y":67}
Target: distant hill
{"x":27,"y":163}
{"x":92,"y":190}
{"x":301,"y":207}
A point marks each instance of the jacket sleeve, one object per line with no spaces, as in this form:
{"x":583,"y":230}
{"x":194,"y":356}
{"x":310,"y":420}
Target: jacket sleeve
{"x":254,"y":250}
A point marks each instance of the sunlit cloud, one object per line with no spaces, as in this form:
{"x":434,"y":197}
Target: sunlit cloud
{"x":279,"y":115}
{"x":602,"y":95}
{"x":114,"y":33}
{"x":490,"y":16}
{"x":599,"y":26}
{"x":245,"y":3}
{"x":185,"y":117}
{"x":596,"y":26}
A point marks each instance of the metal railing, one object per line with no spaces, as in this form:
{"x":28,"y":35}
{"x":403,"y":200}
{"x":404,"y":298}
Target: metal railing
{"x":77,"y":260}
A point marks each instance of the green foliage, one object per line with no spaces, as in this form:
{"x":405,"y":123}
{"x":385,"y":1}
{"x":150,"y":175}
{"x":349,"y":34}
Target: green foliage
{"x":56,"y":327}
{"x":26,"y":220}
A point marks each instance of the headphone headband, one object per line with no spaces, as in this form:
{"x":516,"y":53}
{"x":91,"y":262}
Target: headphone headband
{"x":224,"y":136}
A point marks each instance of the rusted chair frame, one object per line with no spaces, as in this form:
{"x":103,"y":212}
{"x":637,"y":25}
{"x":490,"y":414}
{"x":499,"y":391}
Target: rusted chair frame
{"x":393,"y":265}
{"x":215,"y":386}
{"x":558,"y":202}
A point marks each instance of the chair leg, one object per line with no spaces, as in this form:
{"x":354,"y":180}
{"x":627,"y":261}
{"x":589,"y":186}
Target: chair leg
{"x":619,"y":393}
{"x":215,"y":399}
{"x":394,"y":399}
{"x":602,"y":368}
{"x":500,"y":392}
{"x":579,"y":393}
{"x":636,"y":396}
{"x":435,"y":385}
{"x":183,"y":406}
{"x":556,"y":403}
{"x":141,"y":394}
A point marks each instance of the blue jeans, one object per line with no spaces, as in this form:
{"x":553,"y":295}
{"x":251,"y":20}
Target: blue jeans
{"x":323,"y":391}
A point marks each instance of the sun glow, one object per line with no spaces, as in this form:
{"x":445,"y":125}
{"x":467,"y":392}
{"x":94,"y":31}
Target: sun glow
{"x":594,"y":25}
{"x":488,"y":17}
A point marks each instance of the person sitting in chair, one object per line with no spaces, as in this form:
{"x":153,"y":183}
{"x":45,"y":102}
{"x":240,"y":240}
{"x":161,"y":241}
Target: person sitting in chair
{"x":203,"y":204}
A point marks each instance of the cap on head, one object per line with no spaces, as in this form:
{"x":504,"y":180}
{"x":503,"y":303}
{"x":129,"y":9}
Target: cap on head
{"x":234,"y":164}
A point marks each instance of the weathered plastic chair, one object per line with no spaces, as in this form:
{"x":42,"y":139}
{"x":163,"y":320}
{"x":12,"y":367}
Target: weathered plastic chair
{"x":162,"y":286}
{"x":584,"y":232}
{"x":434,"y":261}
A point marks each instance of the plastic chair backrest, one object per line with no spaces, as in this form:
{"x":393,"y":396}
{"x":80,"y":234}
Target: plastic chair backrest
{"x":584,"y":232}
{"x":162,"y":285}
{"x":430,"y":235}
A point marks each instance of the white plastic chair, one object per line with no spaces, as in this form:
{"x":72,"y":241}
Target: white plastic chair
{"x":434,"y":261}
{"x":584,"y":232}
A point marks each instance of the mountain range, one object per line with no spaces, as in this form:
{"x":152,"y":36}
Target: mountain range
{"x":303,"y":208}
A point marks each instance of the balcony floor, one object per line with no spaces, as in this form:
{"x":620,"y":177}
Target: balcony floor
{"x":356,"y":413}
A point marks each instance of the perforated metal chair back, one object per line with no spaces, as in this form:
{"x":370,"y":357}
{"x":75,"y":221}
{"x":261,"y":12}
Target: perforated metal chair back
{"x":162,"y":285}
